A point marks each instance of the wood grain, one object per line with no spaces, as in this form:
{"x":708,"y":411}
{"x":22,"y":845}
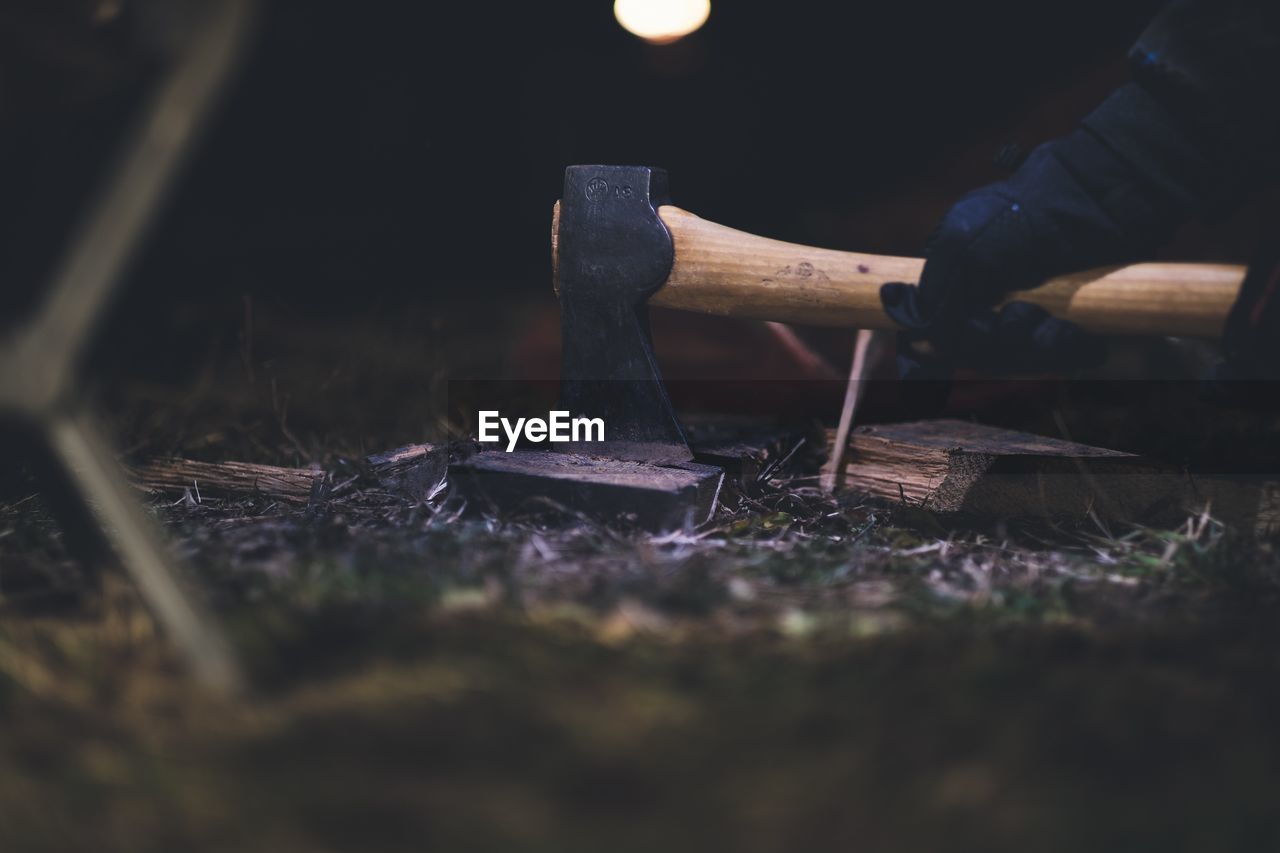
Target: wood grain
{"x":293,"y":485}
{"x":720,"y":270}
{"x":956,"y":468}
{"x":723,"y":271}
{"x":959,"y":467}
{"x":415,"y":471}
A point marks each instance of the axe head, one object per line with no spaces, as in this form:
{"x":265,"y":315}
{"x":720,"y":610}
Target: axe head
{"x":613,"y":254}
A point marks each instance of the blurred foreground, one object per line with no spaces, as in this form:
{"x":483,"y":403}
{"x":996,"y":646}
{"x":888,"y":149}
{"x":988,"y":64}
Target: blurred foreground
{"x":799,"y":674}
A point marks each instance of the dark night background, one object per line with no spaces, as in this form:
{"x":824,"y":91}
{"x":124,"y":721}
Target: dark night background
{"x":379,"y":156}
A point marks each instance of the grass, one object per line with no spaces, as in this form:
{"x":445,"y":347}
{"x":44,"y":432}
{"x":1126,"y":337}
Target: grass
{"x":824,"y":681}
{"x":798,"y":674}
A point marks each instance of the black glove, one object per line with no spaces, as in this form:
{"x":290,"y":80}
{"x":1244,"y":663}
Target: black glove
{"x":1076,"y":203}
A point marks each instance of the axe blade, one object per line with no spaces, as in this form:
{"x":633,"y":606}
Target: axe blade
{"x":614,"y":253}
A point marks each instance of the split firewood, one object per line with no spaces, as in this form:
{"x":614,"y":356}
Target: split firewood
{"x":958,"y":468}
{"x":416,"y":470}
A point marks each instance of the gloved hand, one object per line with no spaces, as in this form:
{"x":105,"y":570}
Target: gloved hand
{"x":1108,"y":193}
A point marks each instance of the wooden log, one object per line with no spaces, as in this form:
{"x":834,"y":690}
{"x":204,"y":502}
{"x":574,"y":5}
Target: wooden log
{"x":415,"y":470}
{"x":655,"y":497}
{"x":964,"y":469}
{"x":224,"y":479}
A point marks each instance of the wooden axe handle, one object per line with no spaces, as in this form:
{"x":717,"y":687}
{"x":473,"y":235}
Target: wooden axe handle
{"x":720,"y":270}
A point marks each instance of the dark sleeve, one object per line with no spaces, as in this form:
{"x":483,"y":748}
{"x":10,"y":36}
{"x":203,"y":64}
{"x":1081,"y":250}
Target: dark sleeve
{"x":1214,"y":65}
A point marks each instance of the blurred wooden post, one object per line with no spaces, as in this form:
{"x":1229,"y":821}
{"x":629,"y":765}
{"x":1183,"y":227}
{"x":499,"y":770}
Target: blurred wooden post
{"x":40,"y":393}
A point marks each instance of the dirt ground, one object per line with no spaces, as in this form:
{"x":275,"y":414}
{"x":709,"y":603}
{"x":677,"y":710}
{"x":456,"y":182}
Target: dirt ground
{"x":800,"y":673}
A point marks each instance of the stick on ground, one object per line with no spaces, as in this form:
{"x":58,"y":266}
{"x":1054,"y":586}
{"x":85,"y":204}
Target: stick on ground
{"x":224,"y":479}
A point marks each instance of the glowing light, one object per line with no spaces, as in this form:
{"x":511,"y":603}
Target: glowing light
{"x":661,"y":21}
